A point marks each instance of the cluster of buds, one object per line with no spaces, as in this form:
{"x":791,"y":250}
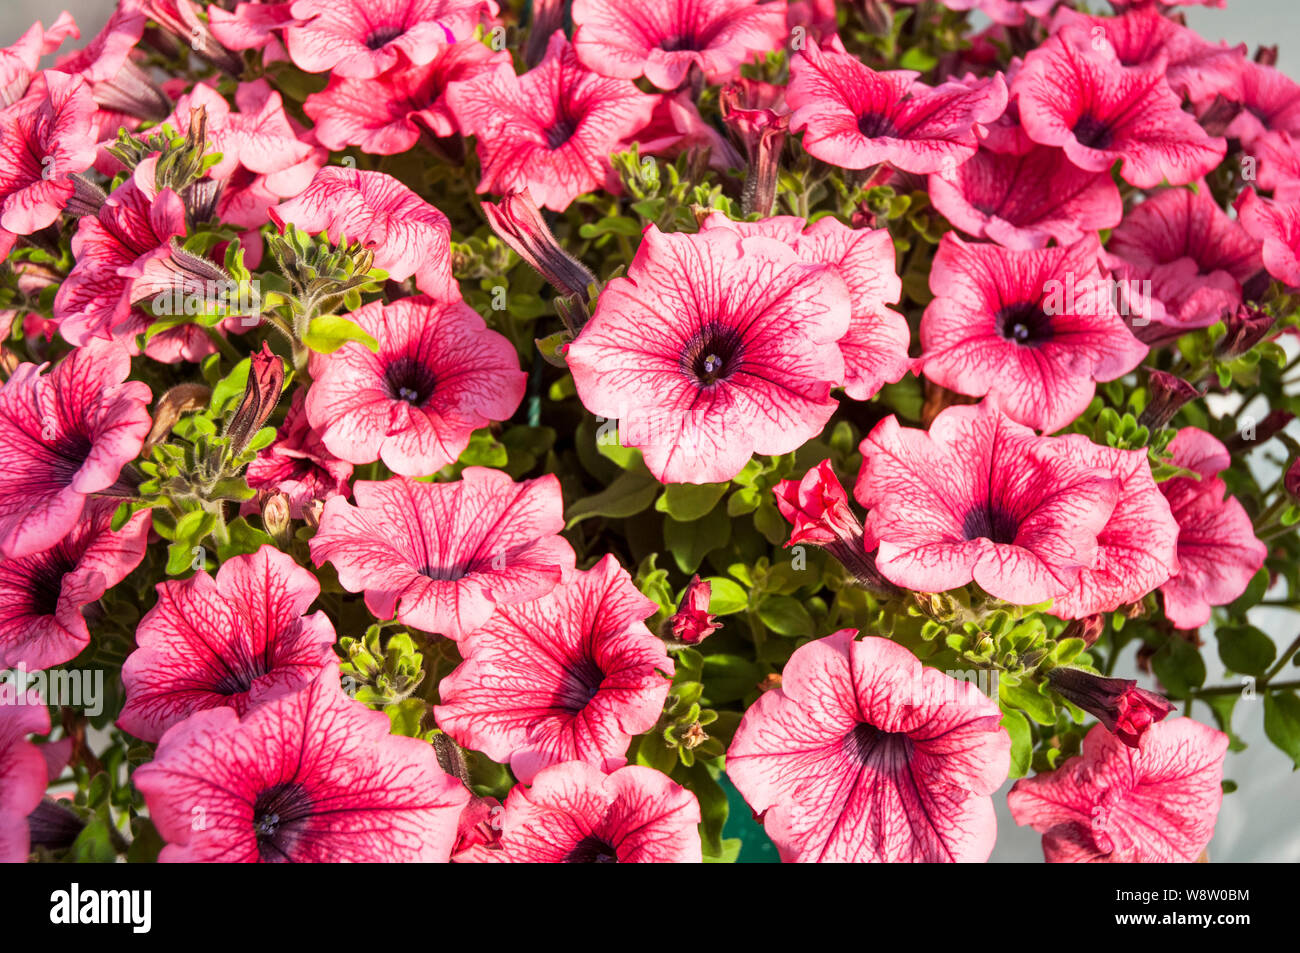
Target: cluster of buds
{"x":380,"y":671}
{"x":181,"y":159}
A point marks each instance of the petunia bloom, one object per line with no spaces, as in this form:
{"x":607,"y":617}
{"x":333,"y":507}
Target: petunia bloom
{"x":1195,"y":257}
{"x":1025,"y":200}
{"x":551,"y":130}
{"x":360,"y":39}
{"x":308,"y":777}
{"x":1156,"y":803}
{"x":443,"y":556}
{"x":1137,"y":550}
{"x":1277,"y":225}
{"x":692,"y":623}
{"x":980,"y":497}
{"x":1218,"y":553}
{"x":19,"y":63}
{"x":1000,"y":324}
{"x":573,"y":813}
{"x":1270,"y":101}
{"x":407,"y":234}
{"x":571,"y":676}
{"x":1078,"y":100}
{"x":439,"y":375}
{"x":854,"y":117}
{"x":713,"y":347}
{"x":663,"y":39}
{"x":234,"y":641}
{"x":42,"y":595}
{"x":863,"y":754}
{"x":875,"y":346}
{"x":65,"y":435}
{"x":22,"y":776}
{"x":298,"y":464}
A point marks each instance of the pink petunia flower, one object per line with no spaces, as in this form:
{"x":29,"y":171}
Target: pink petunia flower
{"x":298,"y":465}
{"x":360,"y":39}
{"x":573,"y":813}
{"x":1144,"y":38}
{"x":1194,"y":255}
{"x":1025,"y":200}
{"x":64,"y":436}
{"x":692,"y":623}
{"x":1270,"y":101}
{"x":854,"y":117}
{"x":863,"y":754}
{"x":309,"y":777}
{"x":1277,"y":225}
{"x":1155,"y":803}
{"x":408,"y":235}
{"x":45,"y":137}
{"x":123,"y":89}
{"x":42,"y":595}
{"x":23,"y":776}
{"x":1000,"y":325}
{"x":439,"y":375}
{"x":663,"y":39}
{"x":236,"y":641}
{"x":1218,"y":553}
{"x":573,"y":675}
{"x":551,"y":130}
{"x":714,"y":347}
{"x":981,"y":498}
{"x":1004,"y":12}
{"x":443,"y":556}
{"x":20,"y":63}
{"x":1078,"y":100}
{"x":875,"y":346}
{"x":1137,"y":550}
{"x":1279,"y":165}
{"x":385,"y":115}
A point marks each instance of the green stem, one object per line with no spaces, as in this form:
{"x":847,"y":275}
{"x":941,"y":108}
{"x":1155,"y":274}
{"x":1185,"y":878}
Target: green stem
{"x":1286,"y":657}
{"x":223,"y":345}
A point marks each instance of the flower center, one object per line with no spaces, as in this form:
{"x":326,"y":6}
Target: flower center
{"x":561,"y":131}
{"x":592,"y":850}
{"x":409,"y":380}
{"x":1093,"y":132}
{"x":1024,"y":323}
{"x":712,"y":355}
{"x":581,"y":682}
{"x":678,"y":43}
{"x":278,"y":814}
{"x":876,"y":125}
{"x":381,"y":37}
{"x":992,"y":523}
{"x":867,"y":743}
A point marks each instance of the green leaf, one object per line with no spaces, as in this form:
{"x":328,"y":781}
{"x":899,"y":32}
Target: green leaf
{"x":1282,"y":723}
{"x":653,"y":752}
{"x":713,"y":807}
{"x":730,"y":851}
{"x":628,"y":495}
{"x":691,"y":542}
{"x":726,"y":597}
{"x":407,"y":716}
{"x":1022,"y":742}
{"x":330,"y":332}
{"x":729,"y":677}
{"x":690,"y":501}
{"x":1179,"y":667}
{"x":785,"y":615}
{"x":145,"y":842}
{"x":917,"y":59}
{"x":1245,"y":649}
{"x":93,"y":845}
{"x":1029,"y":698}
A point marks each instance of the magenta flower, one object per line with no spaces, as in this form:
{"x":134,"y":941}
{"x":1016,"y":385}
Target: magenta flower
{"x":1078,"y":100}
{"x":20,"y":63}
{"x":1155,"y":803}
{"x":1279,"y":165}
{"x":571,"y":676}
{"x":981,"y":498}
{"x":863,"y":754}
{"x":1218,"y":553}
{"x":662,"y":40}
{"x":875,"y":346}
{"x":408,"y":235}
{"x":439,"y":375}
{"x":308,"y":777}
{"x":1138,"y":547}
{"x":853,"y":117}
{"x":134,"y":227}
{"x":713,"y":348}
{"x":23,"y":776}
{"x":45,"y":137}
{"x":298,"y":465}
{"x":64,"y":436}
{"x":236,"y":641}
{"x":253,"y":25}
{"x":1270,"y":101}
{"x":1000,"y":324}
{"x":1026,"y":200}
{"x":1004,"y":12}
{"x":692,"y":623}
{"x":360,"y":39}
{"x":1195,"y":257}
{"x":551,"y":130}
{"x":443,"y":556}
{"x":386,"y":115}
{"x":573,"y":813}
{"x":42,"y":595}
{"x":1277,"y":225}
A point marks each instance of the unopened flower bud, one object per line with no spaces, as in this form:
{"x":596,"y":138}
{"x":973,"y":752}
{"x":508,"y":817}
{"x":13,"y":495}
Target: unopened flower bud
{"x":277,"y":516}
{"x":1125,"y":710}
{"x":261,"y":394}
{"x":1165,"y":395}
{"x":691,"y":624}
{"x":1246,"y":328}
{"x":518,"y":222}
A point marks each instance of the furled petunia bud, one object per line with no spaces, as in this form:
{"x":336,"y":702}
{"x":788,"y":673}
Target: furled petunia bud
{"x":761,"y":132}
{"x":277,"y":516}
{"x":1292,"y":479}
{"x":1246,"y":328}
{"x":518,"y":222}
{"x":1167,"y":394}
{"x":261,"y":394}
{"x":1089,"y":628}
{"x":1124,"y":709}
{"x":691,"y":624}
